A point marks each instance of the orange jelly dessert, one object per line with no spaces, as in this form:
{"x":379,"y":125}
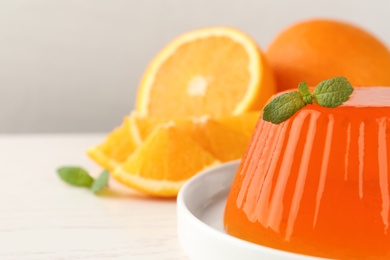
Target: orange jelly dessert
{"x":318,"y":183}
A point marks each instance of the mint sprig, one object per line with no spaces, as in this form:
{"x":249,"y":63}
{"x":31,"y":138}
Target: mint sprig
{"x":79,"y":177}
{"x":328,"y":93}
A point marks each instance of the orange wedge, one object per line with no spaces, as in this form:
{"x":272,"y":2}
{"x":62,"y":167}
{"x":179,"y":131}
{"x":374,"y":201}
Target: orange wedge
{"x":244,"y":123}
{"x":145,"y":125}
{"x":167,"y":158}
{"x":117,"y":146}
{"x":214,"y":71}
{"x":221,"y":141}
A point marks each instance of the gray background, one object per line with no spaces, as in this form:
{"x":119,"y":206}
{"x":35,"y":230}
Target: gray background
{"x":74,"y":66}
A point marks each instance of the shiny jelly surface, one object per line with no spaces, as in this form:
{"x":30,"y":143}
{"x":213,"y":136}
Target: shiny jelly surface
{"x":318,"y":183}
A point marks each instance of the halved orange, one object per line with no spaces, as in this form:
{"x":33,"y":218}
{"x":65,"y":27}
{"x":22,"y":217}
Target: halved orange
{"x":117,"y":146}
{"x":167,"y":158}
{"x":214,"y":71}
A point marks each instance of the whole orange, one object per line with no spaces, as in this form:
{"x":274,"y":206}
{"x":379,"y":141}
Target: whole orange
{"x":315,"y":50}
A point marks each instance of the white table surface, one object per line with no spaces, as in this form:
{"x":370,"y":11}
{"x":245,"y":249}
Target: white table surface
{"x":41,"y":217}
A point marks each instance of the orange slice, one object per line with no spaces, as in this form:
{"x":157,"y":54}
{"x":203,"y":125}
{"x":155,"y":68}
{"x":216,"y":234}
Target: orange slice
{"x":167,"y":158}
{"x":117,"y":146}
{"x":215,"y":71}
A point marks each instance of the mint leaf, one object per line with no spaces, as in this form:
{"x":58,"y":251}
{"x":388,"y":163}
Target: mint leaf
{"x":101,"y":182}
{"x":328,"y":93}
{"x":283,"y":107}
{"x":303,"y":89}
{"x":332,"y":92}
{"x":75,"y":176}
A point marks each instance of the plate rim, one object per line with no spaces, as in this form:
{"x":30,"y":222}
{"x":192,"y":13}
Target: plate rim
{"x":184,"y":215}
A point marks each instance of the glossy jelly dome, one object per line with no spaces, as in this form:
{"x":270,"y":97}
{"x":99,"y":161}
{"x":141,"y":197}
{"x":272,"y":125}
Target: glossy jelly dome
{"x":318,"y":183}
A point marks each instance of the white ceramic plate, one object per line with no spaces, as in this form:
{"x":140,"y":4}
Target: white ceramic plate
{"x":200,"y":207}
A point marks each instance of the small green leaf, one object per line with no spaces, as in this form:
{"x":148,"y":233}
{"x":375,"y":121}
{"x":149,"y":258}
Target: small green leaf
{"x":101,"y":182}
{"x":283,"y":107}
{"x":75,"y":176}
{"x":303,"y":89}
{"x":332,"y":92}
